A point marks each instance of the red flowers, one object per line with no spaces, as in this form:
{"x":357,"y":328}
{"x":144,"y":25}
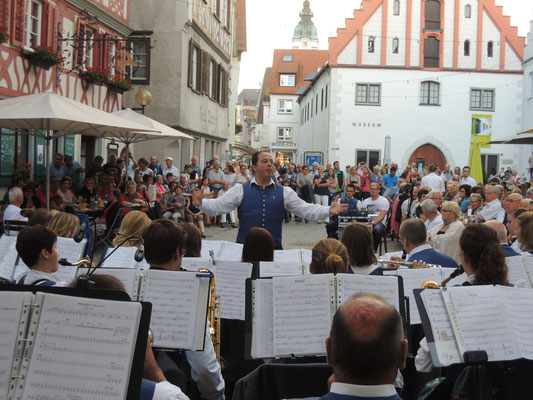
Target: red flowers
{"x":4,"y":36}
{"x":96,"y":73}
{"x":47,"y":55}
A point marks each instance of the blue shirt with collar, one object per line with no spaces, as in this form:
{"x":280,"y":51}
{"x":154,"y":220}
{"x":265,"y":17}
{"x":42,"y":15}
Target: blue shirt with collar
{"x":431,"y":256}
{"x":352,"y":203}
{"x":509,"y":251}
{"x":389,"y":181}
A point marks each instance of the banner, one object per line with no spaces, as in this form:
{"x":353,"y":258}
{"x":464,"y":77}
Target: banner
{"x":482,"y":128}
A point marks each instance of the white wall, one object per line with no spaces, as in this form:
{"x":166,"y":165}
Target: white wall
{"x":277,"y":120}
{"x":373,"y":28}
{"x":415,"y":34}
{"x":447,"y":36}
{"x":490,"y":33}
{"x":349,"y":55}
{"x":396,"y":28}
{"x":468,"y":31}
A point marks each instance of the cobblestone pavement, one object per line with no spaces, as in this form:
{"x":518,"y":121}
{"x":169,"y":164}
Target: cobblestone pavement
{"x":295,"y":235}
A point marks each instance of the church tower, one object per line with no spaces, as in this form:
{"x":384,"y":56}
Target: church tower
{"x":305,"y":34}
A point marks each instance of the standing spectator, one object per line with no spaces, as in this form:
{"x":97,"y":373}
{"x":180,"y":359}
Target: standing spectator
{"x":432,"y":180}
{"x":365,"y":182}
{"x":304,"y":182}
{"x":225,"y":188}
{"x":467,"y":179}
{"x":333,"y":185}
{"x":170,"y":169}
{"x":74,"y":170}
{"x":320,"y":192}
{"x":155,"y":166}
{"x":378,"y":207}
{"x":12,"y":212}
{"x":291,"y":176}
{"x":194,"y":164}
{"x":230,"y":177}
{"x":389,"y":184}
{"x":340,"y":177}
{"x":131,"y":163}
{"x":57,"y":169}
{"x":96,"y":169}
{"x":376,"y":175}
{"x":446,"y":174}
{"x":354,"y":179}
{"x":216,"y":177}
{"x":192,"y":176}
{"x":143,"y":168}
{"x":243,"y":175}
{"x":111,"y":167}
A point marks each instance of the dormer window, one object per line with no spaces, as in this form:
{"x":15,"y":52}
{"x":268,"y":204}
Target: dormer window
{"x":371,"y":40}
{"x":287,"y":80}
{"x":287,"y":58}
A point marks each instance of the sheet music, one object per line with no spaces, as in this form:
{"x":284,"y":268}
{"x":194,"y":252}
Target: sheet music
{"x":387,"y":256}
{"x":385,"y":286}
{"x":519,"y":306}
{"x":174,"y":296}
{"x":528,"y":264}
{"x":303,"y":309}
{"x":8,"y":256}
{"x":211,"y":245}
{"x":90,"y":356}
{"x":481,"y":322}
{"x":123,"y":257}
{"x":445,"y":345}
{"x":129,"y":278}
{"x":306,"y":257}
{"x":413,"y":279}
{"x":263,"y":319}
{"x":230,"y":251}
{"x":69,"y":249}
{"x":65,"y":273}
{"x":11,"y":304}
{"x":281,"y":268}
{"x":517,"y":273}
{"x":195,"y":263}
{"x":231,"y":280}
{"x":293,"y":255}
{"x":457,"y":281}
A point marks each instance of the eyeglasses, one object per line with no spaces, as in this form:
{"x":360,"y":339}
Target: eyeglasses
{"x":448,"y":211}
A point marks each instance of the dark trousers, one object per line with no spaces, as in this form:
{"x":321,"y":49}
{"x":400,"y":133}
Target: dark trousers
{"x":377,"y":232}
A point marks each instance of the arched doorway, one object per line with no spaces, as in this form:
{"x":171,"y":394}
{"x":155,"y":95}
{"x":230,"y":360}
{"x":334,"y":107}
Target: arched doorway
{"x":427,"y":154}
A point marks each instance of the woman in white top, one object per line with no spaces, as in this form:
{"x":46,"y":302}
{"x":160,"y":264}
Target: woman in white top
{"x":444,"y":237}
{"x":358,"y":240}
{"x":230,"y":176}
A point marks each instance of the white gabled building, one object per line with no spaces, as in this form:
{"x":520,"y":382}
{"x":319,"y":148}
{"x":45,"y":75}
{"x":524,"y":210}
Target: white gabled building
{"x":426,"y":73}
{"x":527,"y":120}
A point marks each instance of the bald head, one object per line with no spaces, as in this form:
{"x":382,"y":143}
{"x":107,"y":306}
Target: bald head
{"x":499,"y":228}
{"x":366,"y":344}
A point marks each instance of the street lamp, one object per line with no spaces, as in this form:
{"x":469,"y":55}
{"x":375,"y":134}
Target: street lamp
{"x":143,"y":97}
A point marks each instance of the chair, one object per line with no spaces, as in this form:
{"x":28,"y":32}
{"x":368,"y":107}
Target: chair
{"x":280,"y":381}
{"x":109,"y":234}
{"x":14,"y":226}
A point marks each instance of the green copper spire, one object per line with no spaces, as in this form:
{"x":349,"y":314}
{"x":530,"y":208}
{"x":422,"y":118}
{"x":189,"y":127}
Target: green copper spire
{"x":306,"y":28}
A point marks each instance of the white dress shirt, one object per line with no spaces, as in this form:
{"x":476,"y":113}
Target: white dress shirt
{"x":167,"y":391}
{"x":12,"y":213}
{"x":468,"y":181}
{"x":365,"y":270}
{"x":293,"y":204}
{"x":493,"y":211}
{"x":431,"y":224}
{"x":434,"y":181}
{"x":34,"y":275}
{"x":447,"y":243}
{"x":363,"y":390}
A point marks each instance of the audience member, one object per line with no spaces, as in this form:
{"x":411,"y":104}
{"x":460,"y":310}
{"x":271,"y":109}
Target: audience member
{"x":13,"y":210}
{"x":501,"y":232}
{"x":64,"y":224}
{"x":131,"y":228}
{"x":444,"y":237}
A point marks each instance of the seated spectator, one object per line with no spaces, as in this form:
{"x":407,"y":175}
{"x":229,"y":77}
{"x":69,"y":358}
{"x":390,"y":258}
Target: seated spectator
{"x":501,"y":232}
{"x":329,"y":256}
{"x":525,"y":232}
{"x":464,"y":198}
{"x":444,"y":237}
{"x":40,"y":193}
{"x":143,"y":169}
{"x":107,"y":185}
{"x":13,"y":210}
{"x":160,"y":188}
{"x":31,"y":201}
{"x":164,"y":244}
{"x":131,"y":228}
{"x":358,"y":241}
{"x":88,"y":191}
{"x":413,"y":236}
{"x":96,"y":170}
{"x":476,"y":203}
{"x":493,"y":209}
{"x":513,"y":227}
{"x":36,"y":246}
{"x":527,"y":204}
{"x":258,"y":246}
{"x":366,"y":349}
{"x":54,"y":186}
{"x":431,"y":214}
{"x":57,"y":203}
{"x":111,"y":210}
{"x":64,"y":224}
{"x":132,"y":199}
{"x":64,"y":191}
{"x":193,"y":214}
{"x":151,"y":190}
{"x":41,"y":217}
{"x":193,"y":241}
{"x":176,"y":205}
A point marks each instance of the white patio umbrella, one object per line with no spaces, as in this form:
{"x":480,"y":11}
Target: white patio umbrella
{"x":59,"y":116}
{"x":166,"y":132}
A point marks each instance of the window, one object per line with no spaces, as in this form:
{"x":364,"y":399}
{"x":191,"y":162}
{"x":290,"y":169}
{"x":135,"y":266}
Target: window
{"x":482,"y":99}
{"x":490,"y":164}
{"x":432,"y":15}
{"x":371,"y":157}
{"x":195,"y":63}
{"x":316,"y":104}
{"x":490,"y":49}
{"x":429,"y":93}
{"x":287,"y":58}
{"x":431,"y":52}
{"x":396,"y":7}
{"x":227,"y":23}
{"x":285,"y":106}
{"x":212,"y":79}
{"x":311,"y":107}
{"x":322,"y":100}
{"x":285,"y":134}
{"x":33,"y":23}
{"x":468,"y":11}
{"x":287,"y":80}
{"x":467,"y":47}
{"x":140,"y":71}
{"x":112,"y":53}
{"x":395,"y":46}
{"x":531,"y":85}
{"x":88,"y":37}
{"x":371,"y":40}
{"x":368,"y":94}
{"x":326,"y":98}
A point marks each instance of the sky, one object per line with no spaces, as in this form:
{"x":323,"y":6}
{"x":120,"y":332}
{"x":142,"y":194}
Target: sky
{"x":270,"y":25}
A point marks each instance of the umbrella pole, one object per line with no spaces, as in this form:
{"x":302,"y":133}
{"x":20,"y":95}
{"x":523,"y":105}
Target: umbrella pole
{"x":46,"y":156}
{"x":127,"y":164}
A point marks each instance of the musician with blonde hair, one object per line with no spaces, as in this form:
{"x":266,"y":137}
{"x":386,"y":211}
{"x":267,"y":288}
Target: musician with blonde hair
{"x":131,"y":228}
{"x":64,"y":225}
{"x":329,"y":256}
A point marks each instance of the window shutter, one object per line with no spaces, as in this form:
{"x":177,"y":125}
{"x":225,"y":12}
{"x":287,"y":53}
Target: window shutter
{"x":215,"y":81}
{"x":205,"y":72}
{"x":98,"y":45}
{"x":80,"y":45}
{"x":49,"y":31}
{"x":18,"y":22}
{"x":4,"y":13}
{"x":104,"y":50}
{"x":189,"y":78}
{"x":225,"y":81}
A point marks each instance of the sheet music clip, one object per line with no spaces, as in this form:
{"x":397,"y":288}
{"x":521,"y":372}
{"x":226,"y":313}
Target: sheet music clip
{"x":475,"y":357}
{"x":212,"y":255}
{"x":82,"y":285}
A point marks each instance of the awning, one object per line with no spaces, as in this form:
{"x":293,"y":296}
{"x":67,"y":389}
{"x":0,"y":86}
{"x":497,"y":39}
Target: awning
{"x":244,"y":148}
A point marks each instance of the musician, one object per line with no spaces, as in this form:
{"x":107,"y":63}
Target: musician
{"x":512,"y":228}
{"x":329,"y":256}
{"x":500,"y":230}
{"x":366,"y":349}
{"x":164,"y":244}
{"x":262,"y":202}
{"x":483,"y":260}
{"x":525,"y":232}
{"x":36,"y":246}
{"x":358,"y":241}
{"x":413,"y":236}
{"x":258,"y":246}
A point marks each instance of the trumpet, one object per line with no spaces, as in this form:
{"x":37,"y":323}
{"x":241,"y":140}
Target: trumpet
{"x":435,"y":285}
{"x":85,"y":261}
{"x":403,"y":263}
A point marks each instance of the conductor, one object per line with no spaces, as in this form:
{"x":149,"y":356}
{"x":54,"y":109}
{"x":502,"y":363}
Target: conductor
{"x":262,"y":202}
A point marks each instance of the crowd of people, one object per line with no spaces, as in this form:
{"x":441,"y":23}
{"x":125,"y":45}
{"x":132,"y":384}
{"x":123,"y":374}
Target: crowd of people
{"x":440,"y":217}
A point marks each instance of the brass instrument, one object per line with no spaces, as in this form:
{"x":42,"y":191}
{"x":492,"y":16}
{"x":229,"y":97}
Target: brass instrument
{"x":403,"y":263}
{"x":435,"y":285}
{"x":85,"y":261}
{"x":214,"y":315}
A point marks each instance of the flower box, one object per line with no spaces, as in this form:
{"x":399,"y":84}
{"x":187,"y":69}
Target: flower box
{"x":4,"y":36}
{"x":96,"y":76}
{"x":44,"y":57}
{"x":119,"y":85}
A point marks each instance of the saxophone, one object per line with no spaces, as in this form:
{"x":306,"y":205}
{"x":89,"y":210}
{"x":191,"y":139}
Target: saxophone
{"x":214,"y":316}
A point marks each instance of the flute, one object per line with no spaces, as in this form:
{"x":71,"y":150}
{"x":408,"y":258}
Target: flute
{"x":404,"y":263}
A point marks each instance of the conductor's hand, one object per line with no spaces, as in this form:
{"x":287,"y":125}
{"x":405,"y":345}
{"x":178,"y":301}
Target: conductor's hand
{"x":197,"y":196}
{"x":336,"y":208}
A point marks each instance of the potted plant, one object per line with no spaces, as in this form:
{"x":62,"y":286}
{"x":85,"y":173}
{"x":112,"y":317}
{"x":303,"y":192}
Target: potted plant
{"x":96,"y":75}
{"x":22,"y":170}
{"x":45,"y":57}
{"x":4,"y":36}
{"x":119,"y":85}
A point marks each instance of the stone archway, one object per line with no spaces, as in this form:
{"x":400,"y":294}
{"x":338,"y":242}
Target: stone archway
{"x":429,"y":154}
